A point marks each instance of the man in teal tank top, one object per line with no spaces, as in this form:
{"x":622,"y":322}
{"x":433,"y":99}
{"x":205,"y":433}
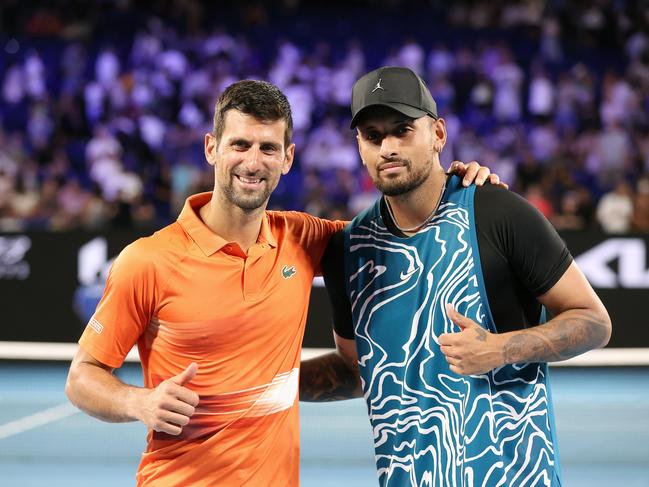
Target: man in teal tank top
{"x":438,"y":307}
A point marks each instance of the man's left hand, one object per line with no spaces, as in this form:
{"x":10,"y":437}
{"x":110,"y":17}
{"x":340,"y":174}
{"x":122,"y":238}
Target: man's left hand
{"x":475,"y":173}
{"x":473,"y":350}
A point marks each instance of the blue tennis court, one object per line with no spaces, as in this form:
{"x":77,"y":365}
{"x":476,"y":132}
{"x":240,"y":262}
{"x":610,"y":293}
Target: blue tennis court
{"x":602,"y":422}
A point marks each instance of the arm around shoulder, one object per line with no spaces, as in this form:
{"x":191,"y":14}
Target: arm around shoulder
{"x":333,"y":376}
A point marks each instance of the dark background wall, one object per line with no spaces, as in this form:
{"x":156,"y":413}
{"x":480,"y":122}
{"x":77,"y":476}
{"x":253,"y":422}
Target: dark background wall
{"x":51,"y":282}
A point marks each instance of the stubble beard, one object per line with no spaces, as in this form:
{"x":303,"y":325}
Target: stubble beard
{"x":247,"y":201}
{"x":402,"y":185}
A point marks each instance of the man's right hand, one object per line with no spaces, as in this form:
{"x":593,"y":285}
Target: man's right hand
{"x":169,"y":406}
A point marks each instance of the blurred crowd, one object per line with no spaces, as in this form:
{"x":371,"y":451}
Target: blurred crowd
{"x":103,"y":113}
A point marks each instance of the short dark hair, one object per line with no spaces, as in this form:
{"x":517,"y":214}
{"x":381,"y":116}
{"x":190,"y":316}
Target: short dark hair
{"x":259,"y":99}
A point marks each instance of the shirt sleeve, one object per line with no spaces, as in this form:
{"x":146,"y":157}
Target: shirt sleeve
{"x":316,"y":233}
{"x":535,"y":252}
{"x":333,"y":265}
{"x":125,"y":309}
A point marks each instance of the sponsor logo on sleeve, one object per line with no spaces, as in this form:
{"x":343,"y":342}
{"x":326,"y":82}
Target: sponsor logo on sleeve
{"x":96,"y":326}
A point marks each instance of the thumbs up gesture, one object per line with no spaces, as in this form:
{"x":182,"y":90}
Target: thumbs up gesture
{"x":169,"y":406}
{"x":473,"y":350}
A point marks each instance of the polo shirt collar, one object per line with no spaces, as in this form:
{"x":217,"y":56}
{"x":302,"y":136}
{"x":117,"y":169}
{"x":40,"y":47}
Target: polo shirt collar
{"x":266,"y":232}
{"x":208,"y":241}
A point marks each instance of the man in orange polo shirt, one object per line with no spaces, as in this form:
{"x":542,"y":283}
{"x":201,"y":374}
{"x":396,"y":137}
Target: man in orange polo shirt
{"x":217,"y":304}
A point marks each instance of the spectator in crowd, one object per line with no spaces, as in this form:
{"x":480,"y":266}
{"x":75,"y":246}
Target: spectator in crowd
{"x":542,"y":94}
{"x":570,"y":215}
{"x":507,"y":77}
{"x":640,"y":220}
{"x":536,"y":197}
{"x":118,"y":109}
{"x":615,"y":209}
{"x":611,"y":154}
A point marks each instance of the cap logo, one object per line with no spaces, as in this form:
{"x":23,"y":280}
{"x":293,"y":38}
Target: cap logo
{"x":378,"y":86}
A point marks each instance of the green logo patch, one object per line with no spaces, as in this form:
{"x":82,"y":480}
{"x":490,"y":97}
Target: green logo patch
{"x":288,"y":272}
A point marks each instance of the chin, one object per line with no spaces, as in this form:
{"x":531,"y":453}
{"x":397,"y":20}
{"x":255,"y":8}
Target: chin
{"x":393,"y":187}
{"x":250,"y":204}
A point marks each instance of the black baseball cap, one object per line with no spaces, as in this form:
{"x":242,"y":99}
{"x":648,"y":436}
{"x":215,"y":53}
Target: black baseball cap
{"x":397,"y":88}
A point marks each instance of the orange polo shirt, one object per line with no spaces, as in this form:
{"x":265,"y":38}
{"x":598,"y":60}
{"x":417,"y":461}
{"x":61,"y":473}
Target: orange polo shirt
{"x":186,"y":295}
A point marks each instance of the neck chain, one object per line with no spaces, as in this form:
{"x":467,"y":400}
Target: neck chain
{"x":422,"y":224}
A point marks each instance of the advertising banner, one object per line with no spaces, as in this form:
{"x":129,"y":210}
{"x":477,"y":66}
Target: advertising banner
{"x":50,"y":284}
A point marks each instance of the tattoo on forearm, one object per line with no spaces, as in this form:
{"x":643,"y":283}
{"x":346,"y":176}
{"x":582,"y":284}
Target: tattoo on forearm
{"x":328,"y":378}
{"x":560,"y":339}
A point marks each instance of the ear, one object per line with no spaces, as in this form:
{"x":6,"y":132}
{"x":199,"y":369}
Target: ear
{"x":439,"y":134}
{"x":358,"y":141}
{"x":210,"y":146}
{"x":288,"y":159}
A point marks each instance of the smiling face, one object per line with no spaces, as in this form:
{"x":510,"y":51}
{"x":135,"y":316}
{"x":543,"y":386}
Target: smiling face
{"x":399,"y":152}
{"x":248,"y":159}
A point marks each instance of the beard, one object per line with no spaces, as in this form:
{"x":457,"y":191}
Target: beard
{"x":400,"y":185}
{"x":248,"y":201}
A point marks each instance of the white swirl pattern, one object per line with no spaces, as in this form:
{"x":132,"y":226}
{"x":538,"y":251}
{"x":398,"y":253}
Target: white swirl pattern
{"x":432,"y":427}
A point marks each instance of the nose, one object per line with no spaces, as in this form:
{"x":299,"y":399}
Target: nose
{"x":389,"y":147}
{"x":253,"y":161}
